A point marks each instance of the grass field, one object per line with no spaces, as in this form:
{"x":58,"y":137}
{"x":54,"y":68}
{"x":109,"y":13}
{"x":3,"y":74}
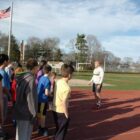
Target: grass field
{"x":118,"y":81}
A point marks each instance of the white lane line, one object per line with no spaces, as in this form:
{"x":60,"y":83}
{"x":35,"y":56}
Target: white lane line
{"x":102,"y":137}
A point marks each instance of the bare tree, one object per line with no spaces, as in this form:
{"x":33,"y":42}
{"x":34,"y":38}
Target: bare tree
{"x":50,"y":46}
{"x":33,"y":47}
{"x":3,"y":43}
{"x":42,"y":49}
{"x":95,"y":49}
{"x":127,"y":62}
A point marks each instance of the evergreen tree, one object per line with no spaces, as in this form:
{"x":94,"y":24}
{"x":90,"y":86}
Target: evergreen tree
{"x":82,"y":48}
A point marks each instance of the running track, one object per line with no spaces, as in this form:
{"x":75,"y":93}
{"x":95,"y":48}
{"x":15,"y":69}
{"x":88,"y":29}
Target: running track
{"x":118,"y":119}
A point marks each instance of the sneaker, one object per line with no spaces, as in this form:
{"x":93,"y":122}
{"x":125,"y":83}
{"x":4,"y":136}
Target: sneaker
{"x":98,"y":104}
{"x":2,"y":134}
{"x":14,"y":123}
{"x":41,"y":131}
{"x":45,"y":133}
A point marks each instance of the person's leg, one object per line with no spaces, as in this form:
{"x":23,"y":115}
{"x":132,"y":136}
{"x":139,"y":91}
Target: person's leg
{"x":42,"y":116}
{"x":5,"y":106}
{"x":98,"y":94}
{"x":2,"y":133}
{"x":45,"y":112}
{"x":66,"y":127}
{"x":30,"y":129}
{"x":94,"y":90}
{"x":55,"y":121}
{"x":39,"y":104}
{"x":63,"y":123}
{"x":98,"y":97}
{"x":23,"y":130}
{"x":39,"y":115}
{"x":42,"y":120}
{"x":1,"y":111}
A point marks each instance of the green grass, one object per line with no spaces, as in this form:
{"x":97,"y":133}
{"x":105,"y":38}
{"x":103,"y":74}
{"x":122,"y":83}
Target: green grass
{"x":120,"y":81}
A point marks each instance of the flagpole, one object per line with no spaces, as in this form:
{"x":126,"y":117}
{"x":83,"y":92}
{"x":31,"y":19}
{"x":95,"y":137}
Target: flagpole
{"x":10,"y":29}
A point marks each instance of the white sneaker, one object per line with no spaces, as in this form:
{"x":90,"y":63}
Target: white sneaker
{"x":99,"y":104}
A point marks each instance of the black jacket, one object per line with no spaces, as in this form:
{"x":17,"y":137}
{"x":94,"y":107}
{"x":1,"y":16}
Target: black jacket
{"x":26,"y":100}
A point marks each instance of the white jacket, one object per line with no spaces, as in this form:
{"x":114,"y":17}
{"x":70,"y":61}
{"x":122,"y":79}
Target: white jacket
{"x":98,"y":75}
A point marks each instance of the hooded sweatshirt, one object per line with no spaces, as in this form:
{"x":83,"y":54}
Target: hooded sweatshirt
{"x":26,"y":101}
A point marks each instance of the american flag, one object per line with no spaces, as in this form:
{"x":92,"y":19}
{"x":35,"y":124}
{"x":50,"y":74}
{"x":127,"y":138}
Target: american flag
{"x":5,"y":13}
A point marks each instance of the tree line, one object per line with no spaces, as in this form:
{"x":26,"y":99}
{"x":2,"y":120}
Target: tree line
{"x":82,"y":49}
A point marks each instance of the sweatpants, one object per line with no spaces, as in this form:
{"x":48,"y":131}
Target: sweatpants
{"x":62,"y":124}
{"x":23,"y":130}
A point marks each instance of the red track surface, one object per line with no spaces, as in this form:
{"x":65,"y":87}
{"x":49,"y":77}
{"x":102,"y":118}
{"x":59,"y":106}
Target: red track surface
{"x":118,"y":119}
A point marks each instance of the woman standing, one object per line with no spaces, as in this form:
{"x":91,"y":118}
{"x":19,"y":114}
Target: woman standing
{"x":97,"y":80}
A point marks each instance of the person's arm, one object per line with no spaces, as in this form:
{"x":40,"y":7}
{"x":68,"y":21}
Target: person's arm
{"x":31,"y":98}
{"x":5,"y":89}
{"x":47,"y":93}
{"x":101,"y":76}
{"x":39,"y":74}
{"x":52,"y":86}
{"x":65,"y":108}
{"x":47,"y":88}
{"x":91,"y":81}
{"x":13,"y":89}
{"x":65,"y":102}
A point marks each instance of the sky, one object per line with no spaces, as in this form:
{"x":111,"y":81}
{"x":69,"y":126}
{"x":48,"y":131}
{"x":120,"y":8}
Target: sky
{"x":116,"y":23}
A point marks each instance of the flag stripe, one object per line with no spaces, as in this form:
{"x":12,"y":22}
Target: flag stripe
{"x":5,"y":13}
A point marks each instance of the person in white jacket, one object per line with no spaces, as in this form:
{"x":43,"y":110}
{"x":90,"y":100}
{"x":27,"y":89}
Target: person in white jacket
{"x":97,"y":80}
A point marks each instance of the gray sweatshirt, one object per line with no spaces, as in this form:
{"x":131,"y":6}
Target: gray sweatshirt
{"x":26,"y":100}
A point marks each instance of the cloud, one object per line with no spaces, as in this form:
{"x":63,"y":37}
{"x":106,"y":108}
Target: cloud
{"x":123,"y":46}
{"x":64,"y":19}
{"x":54,"y":17}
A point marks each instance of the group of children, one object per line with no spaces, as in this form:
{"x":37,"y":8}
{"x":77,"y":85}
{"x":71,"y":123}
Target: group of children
{"x":34,"y":91}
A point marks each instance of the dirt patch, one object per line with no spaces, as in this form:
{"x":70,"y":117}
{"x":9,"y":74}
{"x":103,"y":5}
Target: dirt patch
{"x":79,"y":82}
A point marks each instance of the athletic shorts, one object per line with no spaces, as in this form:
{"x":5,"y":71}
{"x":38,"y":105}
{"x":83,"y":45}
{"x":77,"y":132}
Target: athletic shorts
{"x":95,"y":89}
{"x":42,"y":108}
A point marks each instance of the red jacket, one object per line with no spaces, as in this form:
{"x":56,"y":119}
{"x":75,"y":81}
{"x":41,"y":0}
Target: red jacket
{"x":13,"y":90}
